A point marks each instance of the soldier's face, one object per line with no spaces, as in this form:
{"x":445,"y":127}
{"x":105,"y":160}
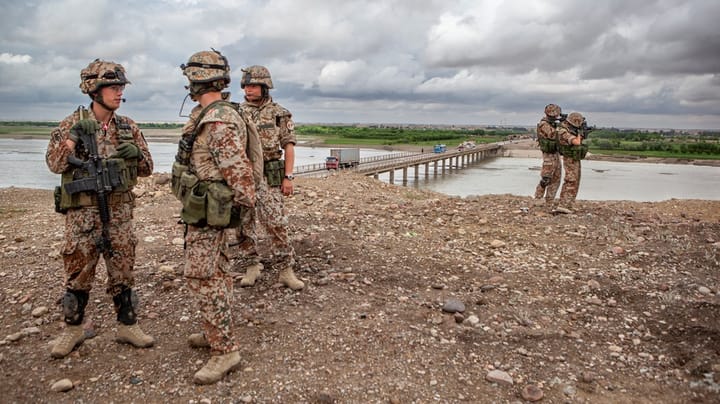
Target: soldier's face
{"x":253,"y":92}
{"x":112,"y":95}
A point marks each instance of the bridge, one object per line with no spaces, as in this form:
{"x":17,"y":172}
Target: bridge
{"x":437,"y":163}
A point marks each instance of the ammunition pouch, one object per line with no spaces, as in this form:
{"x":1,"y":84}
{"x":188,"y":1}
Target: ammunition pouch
{"x":548,"y":145}
{"x":175,"y":180}
{"x":274,"y":171}
{"x":78,"y":188}
{"x":576,"y":152}
{"x":207,"y":203}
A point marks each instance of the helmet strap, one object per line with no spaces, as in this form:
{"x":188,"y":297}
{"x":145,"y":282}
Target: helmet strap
{"x":97,"y":97}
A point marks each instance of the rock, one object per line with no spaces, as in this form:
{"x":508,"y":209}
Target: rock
{"x":472,"y":320}
{"x":532,"y":393}
{"x":497,"y":244}
{"x":178,"y":241}
{"x":500,"y":377}
{"x":453,"y":306}
{"x":39,"y":311}
{"x":704,"y":290}
{"x":62,"y":385}
{"x":593,"y":284}
{"x":617,"y":250}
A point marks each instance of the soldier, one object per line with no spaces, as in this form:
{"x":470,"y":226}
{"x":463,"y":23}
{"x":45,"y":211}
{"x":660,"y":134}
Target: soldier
{"x":570,"y":136}
{"x":277,"y":135}
{"x":214,"y":180}
{"x":551,"y":169}
{"x":99,"y":220}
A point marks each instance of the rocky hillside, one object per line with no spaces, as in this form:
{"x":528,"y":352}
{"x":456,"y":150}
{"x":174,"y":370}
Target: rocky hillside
{"x":411,"y":297}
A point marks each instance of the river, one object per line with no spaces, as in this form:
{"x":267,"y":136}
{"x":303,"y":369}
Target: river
{"x":23,"y":162}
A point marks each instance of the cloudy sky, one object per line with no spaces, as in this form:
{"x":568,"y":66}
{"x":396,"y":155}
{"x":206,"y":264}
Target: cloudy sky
{"x":643,"y":64}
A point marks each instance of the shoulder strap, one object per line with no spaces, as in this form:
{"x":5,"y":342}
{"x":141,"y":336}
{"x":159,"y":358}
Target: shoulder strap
{"x":196,"y":131}
{"x":253,"y":148}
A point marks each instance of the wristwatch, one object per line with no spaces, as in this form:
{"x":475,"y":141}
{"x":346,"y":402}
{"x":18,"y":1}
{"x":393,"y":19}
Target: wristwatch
{"x":290,"y":177}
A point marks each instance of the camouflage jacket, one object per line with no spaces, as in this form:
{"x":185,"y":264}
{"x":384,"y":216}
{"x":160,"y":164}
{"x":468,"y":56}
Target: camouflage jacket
{"x":546,"y":129}
{"x":107,"y":140}
{"x":275,"y":126}
{"x":219,"y":152}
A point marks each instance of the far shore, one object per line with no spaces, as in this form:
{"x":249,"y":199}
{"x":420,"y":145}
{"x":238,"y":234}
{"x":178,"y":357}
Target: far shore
{"x":525,"y":148}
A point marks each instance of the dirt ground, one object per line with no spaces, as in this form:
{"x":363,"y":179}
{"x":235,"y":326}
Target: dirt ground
{"x":617,"y":303}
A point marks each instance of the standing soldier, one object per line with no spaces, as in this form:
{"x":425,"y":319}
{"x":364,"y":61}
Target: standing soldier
{"x":570,"y":135}
{"x":100,"y":155}
{"x":213,"y":178}
{"x":547,"y":138}
{"x":277,"y":135}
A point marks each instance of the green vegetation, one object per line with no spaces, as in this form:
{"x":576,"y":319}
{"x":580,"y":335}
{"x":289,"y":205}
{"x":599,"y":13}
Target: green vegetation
{"x":671,"y":144}
{"x":399,"y":136}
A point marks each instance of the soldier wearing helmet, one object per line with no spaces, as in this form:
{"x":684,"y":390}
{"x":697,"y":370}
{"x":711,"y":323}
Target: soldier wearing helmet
{"x":277,"y":135}
{"x":93,"y":214}
{"x":551,"y":169}
{"x":217,"y":185}
{"x":570,"y":139}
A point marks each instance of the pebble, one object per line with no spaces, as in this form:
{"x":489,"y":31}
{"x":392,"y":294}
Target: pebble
{"x":500,"y":377}
{"x":472,"y":320}
{"x":593,"y":284}
{"x":704,"y":290}
{"x":453,"y":306}
{"x":497,"y":244}
{"x":532,"y":393}
{"x":62,"y":385}
{"x":617,"y":250}
{"x":39,"y":311}
{"x":178,"y":241}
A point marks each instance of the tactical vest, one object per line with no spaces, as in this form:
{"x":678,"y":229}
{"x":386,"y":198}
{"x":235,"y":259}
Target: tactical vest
{"x":547,"y":145}
{"x":209,"y":202}
{"x":122,"y":173}
{"x":576,"y":152}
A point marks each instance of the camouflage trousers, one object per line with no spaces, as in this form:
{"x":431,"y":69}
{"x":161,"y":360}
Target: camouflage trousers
{"x":549,"y":177}
{"x":206,"y":270}
{"x":83,"y":229}
{"x":571,"y":184}
{"x":267,"y":228}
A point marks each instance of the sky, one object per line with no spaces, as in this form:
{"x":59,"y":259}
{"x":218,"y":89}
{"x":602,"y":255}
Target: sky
{"x":625,"y":64}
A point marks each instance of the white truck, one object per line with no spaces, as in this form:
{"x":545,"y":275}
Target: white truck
{"x":342,"y":158}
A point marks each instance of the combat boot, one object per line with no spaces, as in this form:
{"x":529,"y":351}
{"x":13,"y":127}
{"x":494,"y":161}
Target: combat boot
{"x":198,"y":340}
{"x":287,"y":277}
{"x":133,"y":335}
{"x":252,"y":272}
{"x":73,"y":336}
{"x":217,"y":367}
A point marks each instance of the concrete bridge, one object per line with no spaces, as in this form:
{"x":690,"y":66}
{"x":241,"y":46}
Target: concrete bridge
{"x":435,"y":163}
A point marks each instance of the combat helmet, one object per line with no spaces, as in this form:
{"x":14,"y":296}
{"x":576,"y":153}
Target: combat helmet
{"x":207,"y":67}
{"x":256,"y":75}
{"x":553,"y":110}
{"x":575,"y":119}
{"x":101,"y":73}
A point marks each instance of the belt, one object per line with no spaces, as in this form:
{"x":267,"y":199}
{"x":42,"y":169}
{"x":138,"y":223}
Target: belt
{"x":114,"y":198}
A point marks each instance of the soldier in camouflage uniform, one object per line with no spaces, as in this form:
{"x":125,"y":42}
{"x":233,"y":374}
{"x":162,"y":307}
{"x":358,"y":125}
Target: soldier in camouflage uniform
{"x":217,"y":158}
{"x":118,"y":138}
{"x":551,"y":169}
{"x":570,"y":136}
{"x":276,"y":128}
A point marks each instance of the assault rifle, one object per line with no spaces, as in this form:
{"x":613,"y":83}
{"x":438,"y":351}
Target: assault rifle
{"x":560,"y":119}
{"x":102,"y":177}
{"x":585,"y":130}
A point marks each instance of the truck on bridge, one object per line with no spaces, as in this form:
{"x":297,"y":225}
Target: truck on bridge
{"x":342,"y":158}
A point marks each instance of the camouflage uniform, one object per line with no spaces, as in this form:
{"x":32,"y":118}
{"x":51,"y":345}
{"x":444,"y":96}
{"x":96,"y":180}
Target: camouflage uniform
{"x":571,"y":183}
{"x":551,"y":170}
{"x":217,"y":155}
{"x":83,"y":226}
{"x":276,"y":128}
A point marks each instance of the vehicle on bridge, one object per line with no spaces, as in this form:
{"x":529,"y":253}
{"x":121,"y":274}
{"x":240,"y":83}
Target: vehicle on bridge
{"x":342,"y":158}
{"x":440,"y":148}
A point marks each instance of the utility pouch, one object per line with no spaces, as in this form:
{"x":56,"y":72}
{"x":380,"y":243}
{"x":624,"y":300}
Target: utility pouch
{"x":188,"y":181}
{"x":177,"y":171}
{"x":576,"y":152}
{"x":219,"y":204}
{"x":274,"y":171}
{"x":57,"y":197}
{"x":118,"y":174}
{"x":548,"y":145}
{"x":195,"y":205}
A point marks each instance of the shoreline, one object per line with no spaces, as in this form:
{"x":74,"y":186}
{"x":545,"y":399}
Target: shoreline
{"x":520,"y":149}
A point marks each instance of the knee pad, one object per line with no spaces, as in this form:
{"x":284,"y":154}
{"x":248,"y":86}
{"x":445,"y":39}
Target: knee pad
{"x":125,"y":304}
{"x":73,"y":306}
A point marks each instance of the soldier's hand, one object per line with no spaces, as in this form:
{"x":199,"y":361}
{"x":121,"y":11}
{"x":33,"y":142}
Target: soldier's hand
{"x":128,"y":151}
{"x":84,"y":126}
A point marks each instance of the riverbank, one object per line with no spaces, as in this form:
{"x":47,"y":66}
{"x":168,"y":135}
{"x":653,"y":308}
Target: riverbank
{"x":411,"y":296}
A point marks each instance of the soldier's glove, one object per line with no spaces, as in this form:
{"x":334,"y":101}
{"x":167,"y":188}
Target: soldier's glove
{"x":83,"y":127}
{"x":128,"y":151}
